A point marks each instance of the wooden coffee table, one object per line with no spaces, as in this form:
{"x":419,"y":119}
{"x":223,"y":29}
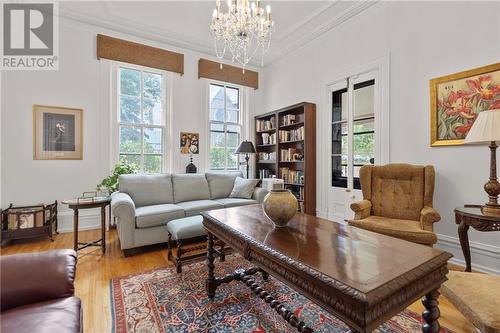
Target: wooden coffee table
{"x":361,"y":277}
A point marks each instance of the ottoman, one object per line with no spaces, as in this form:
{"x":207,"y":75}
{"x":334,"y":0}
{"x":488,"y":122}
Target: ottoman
{"x":188,"y":230}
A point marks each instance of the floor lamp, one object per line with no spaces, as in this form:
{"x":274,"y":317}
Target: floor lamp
{"x":246,"y":147}
{"x":486,"y":130}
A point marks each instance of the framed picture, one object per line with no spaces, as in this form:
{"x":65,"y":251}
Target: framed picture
{"x":57,"y":133}
{"x":457,"y":99}
{"x":189,"y":143}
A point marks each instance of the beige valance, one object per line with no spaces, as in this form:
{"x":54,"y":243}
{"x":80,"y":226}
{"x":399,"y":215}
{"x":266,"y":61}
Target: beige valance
{"x":211,"y":70}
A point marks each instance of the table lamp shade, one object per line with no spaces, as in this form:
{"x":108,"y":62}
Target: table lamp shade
{"x":246,"y":147}
{"x":486,"y":128}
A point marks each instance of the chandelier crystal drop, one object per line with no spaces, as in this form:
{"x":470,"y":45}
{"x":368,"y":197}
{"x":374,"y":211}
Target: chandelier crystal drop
{"x":244,"y":29}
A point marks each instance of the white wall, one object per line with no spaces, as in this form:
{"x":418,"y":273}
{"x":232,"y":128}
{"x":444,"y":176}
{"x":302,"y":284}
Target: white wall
{"x":424,"y":40}
{"x":82,"y":81}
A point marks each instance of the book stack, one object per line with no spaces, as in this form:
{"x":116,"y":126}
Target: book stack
{"x":267,"y":156}
{"x":268,"y":139}
{"x":292,"y":135}
{"x":292,"y":176}
{"x":290,"y":155}
{"x":265,"y":125}
{"x":289,"y":119}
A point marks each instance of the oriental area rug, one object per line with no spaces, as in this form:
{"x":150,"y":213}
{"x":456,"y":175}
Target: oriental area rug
{"x":162,"y":301}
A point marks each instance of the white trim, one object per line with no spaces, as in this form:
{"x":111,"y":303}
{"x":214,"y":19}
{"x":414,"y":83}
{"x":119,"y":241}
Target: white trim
{"x":88,"y":219}
{"x":485,"y":257}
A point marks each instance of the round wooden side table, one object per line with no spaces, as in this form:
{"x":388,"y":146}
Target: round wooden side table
{"x":472,"y":216}
{"x":87,"y":203}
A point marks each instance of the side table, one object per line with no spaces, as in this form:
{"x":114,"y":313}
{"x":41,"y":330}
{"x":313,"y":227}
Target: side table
{"x":87,"y":203}
{"x":472,"y":216}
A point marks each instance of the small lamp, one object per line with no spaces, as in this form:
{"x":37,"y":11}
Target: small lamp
{"x":246,"y":147}
{"x":486,"y":130}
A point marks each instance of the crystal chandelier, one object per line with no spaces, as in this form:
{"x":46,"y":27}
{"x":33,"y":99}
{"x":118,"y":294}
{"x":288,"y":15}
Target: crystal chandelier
{"x":244,"y":29}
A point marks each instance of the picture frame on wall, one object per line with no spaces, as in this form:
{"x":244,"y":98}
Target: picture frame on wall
{"x":57,"y":133}
{"x":189,"y":143}
{"x":457,"y":100}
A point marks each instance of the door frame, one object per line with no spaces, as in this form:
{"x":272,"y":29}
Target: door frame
{"x":381,"y":68}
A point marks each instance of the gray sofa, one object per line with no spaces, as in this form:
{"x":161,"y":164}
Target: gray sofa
{"x":146,"y":203}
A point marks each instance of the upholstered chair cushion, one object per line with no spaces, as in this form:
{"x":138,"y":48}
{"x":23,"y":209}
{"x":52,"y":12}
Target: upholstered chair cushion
{"x":477,"y":297}
{"x":147,"y":190}
{"x":189,"y":187}
{"x":405,"y":229}
{"x":397,"y":201}
{"x":221,"y":184}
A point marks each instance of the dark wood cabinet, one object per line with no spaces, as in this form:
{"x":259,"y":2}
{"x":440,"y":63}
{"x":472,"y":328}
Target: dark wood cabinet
{"x":285,"y":141}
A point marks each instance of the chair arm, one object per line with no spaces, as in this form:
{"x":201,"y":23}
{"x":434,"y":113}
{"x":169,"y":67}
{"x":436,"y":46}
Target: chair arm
{"x":36,"y":277}
{"x":428,"y":216}
{"x":361,"y":209}
{"x":259,"y":194}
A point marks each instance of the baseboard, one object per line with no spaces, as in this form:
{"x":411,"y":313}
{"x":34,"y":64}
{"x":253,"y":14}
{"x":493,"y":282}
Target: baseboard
{"x":485,"y":257}
{"x":87,"y":220}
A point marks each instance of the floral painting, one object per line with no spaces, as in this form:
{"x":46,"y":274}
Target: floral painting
{"x":456,"y":101}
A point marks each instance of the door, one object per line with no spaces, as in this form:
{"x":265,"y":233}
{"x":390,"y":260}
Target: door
{"x":353,"y":135}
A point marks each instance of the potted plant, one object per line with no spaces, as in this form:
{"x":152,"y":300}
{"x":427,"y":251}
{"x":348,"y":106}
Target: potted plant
{"x":110,"y":183}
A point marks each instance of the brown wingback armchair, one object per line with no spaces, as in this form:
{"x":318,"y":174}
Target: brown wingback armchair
{"x":397,"y":201}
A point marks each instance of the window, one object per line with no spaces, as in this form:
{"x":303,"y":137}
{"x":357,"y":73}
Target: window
{"x":141,"y":112}
{"x":225,"y":126}
{"x":358,"y":133}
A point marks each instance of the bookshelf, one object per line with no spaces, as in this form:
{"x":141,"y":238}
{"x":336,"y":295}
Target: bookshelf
{"x":285,"y":140}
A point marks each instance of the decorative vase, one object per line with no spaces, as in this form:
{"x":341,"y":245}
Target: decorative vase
{"x":280,"y":206}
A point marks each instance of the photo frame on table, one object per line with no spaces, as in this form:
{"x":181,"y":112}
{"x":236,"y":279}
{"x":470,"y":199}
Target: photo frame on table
{"x":457,"y":99}
{"x":57,"y":133}
{"x":189,"y":143}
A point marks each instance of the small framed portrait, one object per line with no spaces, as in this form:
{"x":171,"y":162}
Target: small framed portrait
{"x":57,"y":133}
{"x":457,"y":100}
{"x":189,"y":143}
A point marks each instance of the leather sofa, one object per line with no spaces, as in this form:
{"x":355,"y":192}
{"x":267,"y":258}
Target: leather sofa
{"x":37,"y":293}
{"x":146,"y":203}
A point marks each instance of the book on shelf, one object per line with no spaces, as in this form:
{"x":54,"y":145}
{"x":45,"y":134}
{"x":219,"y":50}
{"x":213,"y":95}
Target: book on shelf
{"x":292,"y":176}
{"x":268,"y":139}
{"x":292,"y":135}
{"x":291,"y":155}
{"x":266,"y":173}
{"x":264,"y":125}
{"x":288,"y":119}
{"x":267,"y":156}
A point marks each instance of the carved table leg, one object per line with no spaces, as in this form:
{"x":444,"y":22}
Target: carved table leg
{"x":211,"y":283}
{"x":431,"y":312}
{"x":178,"y":260}
{"x":222,"y":251}
{"x":75,"y":230}
{"x":463,"y":229}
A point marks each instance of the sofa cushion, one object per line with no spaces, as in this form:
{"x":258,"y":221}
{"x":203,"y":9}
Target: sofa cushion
{"x":221,"y":183}
{"x":189,"y":187}
{"x":243,"y":188}
{"x":155,"y":215}
{"x":147,"y":189}
{"x":235,"y":202}
{"x":187,"y":227}
{"x":476,"y":296}
{"x":404,"y":229}
{"x":61,"y":315}
{"x":197,"y":206}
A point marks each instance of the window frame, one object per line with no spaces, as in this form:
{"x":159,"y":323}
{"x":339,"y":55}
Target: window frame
{"x":166,"y":123}
{"x":240,"y":123}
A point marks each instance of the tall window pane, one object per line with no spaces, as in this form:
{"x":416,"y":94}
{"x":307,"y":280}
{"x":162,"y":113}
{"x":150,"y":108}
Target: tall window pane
{"x":225,"y":126}
{"x":141,"y":119}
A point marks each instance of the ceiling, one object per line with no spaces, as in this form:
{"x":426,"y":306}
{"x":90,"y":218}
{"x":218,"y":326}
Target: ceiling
{"x":185,"y":23}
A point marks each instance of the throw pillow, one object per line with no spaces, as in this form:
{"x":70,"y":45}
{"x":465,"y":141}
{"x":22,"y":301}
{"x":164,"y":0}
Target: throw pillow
{"x":243,"y":188}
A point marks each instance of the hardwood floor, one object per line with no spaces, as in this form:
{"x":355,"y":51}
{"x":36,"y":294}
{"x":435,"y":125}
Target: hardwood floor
{"x":95,"y":270}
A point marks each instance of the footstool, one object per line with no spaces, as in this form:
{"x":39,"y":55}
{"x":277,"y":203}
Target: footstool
{"x":188,"y":230}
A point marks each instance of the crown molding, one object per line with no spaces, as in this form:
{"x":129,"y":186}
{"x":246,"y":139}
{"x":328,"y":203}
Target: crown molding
{"x":116,"y":23}
{"x":336,"y":20}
